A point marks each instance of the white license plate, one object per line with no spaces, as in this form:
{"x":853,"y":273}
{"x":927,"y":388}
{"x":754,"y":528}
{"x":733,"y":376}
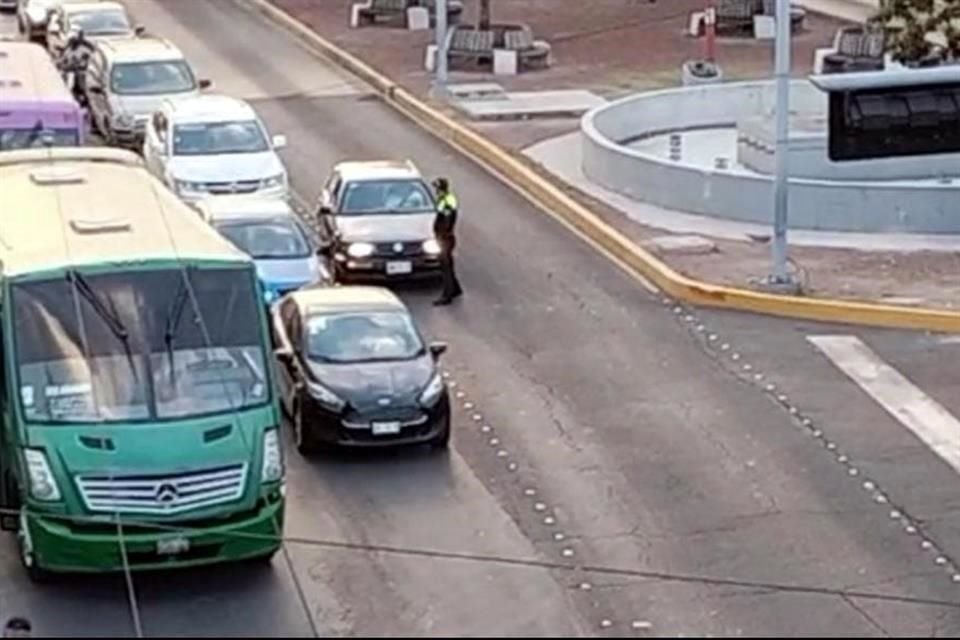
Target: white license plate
{"x":173,"y":546}
{"x":396,"y":268}
{"x":386,"y":428}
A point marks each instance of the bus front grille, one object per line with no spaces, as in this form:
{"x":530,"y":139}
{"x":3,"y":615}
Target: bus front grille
{"x":163,"y":494}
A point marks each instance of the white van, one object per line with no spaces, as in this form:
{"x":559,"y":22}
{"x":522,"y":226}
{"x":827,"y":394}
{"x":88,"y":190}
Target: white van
{"x":129,"y":79}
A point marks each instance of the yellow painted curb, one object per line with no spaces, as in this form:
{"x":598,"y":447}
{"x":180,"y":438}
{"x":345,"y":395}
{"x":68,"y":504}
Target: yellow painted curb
{"x":552,"y":200}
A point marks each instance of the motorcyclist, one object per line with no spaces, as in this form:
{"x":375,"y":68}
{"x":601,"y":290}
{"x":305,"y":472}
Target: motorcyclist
{"x":73,"y":61}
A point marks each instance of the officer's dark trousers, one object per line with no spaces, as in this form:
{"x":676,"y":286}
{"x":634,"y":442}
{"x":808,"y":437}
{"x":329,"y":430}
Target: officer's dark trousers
{"x":451,"y":286}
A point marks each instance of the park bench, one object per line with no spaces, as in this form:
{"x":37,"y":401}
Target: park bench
{"x":374,"y":11}
{"x":470,"y":46}
{"x":856,"y":49}
{"x":530,"y":53}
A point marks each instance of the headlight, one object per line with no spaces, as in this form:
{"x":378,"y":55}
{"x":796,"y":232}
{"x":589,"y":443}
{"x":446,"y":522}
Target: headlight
{"x":269,"y":295}
{"x":325,"y":397}
{"x":360,"y":250}
{"x":272,"y":457}
{"x":431,"y":246}
{"x":185,"y":186}
{"x":43,"y":486}
{"x":123,"y":121}
{"x":432,"y":393}
{"x":272,"y":182}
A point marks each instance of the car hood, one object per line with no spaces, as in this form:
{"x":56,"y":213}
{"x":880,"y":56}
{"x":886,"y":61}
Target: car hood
{"x":292,"y":272}
{"x":400,"y":227}
{"x":227,"y":167}
{"x":364,"y":385}
{"x":145,"y":106}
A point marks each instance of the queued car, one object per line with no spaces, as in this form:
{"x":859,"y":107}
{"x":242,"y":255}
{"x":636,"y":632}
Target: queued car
{"x":376,"y":222}
{"x":355,"y":371}
{"x":34,"y":15}
{"x":98,"y":21}
{"x":128,"y":79}
{"x":214,"y":145}
{"x":271,"y":233}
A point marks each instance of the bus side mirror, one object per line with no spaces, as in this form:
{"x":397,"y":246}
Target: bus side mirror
{"x":437,"y":349}
{"x":205,"y":84}
{"x":284,"y":354}
{"x":139,"y":30}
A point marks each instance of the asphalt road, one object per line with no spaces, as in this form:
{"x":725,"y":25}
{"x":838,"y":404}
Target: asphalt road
{"x":615,"y":470}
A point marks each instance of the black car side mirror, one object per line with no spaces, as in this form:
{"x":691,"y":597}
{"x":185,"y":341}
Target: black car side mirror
{"x":324,"y":211}
{"x":437,"y":349}
{"x":283,"y":354}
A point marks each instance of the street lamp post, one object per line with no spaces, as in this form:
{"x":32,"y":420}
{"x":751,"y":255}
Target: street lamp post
{"x":440,"y":65}
{"x":780,"y":274}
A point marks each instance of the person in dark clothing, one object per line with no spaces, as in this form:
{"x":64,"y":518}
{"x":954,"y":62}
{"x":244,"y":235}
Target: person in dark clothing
{"x":444,"y":229}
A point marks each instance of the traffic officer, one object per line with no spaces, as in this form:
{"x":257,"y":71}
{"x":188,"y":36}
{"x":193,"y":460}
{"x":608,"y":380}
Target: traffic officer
{"x":443,"y":229}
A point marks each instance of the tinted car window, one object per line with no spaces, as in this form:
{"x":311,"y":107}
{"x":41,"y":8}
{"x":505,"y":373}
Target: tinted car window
{"x":362,"y":337}
{"x":385,"y":196}
{"x":218,"y":137}
{"x":260,"y":240}
{"x":146,"y":78}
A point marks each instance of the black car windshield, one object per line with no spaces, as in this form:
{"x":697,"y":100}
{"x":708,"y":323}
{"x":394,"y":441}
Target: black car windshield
{"x":151,"y":78}
{"x":100,"y":23}
{"x":210,"y":138}
{"x":266,"y":239}
{"x":129,"y":346}
{"x":362,"y":337}
{"x":385,"y":196}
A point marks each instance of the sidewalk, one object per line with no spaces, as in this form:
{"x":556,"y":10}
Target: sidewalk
{"x":614,"y":47}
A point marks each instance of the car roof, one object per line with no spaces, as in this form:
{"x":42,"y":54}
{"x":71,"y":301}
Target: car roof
{"x":146,"y":49}
{"x":88,"y":5}
{"x":351,"y":298}
{"x":209,"y":108}
{"x":353,"y":171}
{"x":242,"y":207}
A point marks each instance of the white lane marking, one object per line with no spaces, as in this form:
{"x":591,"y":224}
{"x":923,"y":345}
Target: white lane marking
{"x":925,"y":417}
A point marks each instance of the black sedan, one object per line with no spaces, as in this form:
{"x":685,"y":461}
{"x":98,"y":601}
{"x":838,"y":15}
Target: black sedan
{"x":355,"y":371}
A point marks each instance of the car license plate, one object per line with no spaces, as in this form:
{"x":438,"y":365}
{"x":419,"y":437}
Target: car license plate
{"x":396,"y":268}
{"x":172,"y":546}
{"x":386,"y":428}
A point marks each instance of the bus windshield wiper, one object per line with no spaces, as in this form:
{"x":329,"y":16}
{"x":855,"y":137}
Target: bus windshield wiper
{"x":173,"y":321}
{"x":110,"y":319}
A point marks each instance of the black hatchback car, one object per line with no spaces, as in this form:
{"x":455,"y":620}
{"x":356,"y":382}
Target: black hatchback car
{"x":355,"y":371}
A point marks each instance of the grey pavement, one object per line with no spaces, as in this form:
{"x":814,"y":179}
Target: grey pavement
{"x":628,"y":482}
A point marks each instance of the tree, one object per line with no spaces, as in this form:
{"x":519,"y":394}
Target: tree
{"x":484,"y":22}
{"x":918,"y":30}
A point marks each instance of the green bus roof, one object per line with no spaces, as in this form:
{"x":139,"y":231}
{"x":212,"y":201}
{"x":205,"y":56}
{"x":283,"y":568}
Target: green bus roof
{"x":82,"y":206}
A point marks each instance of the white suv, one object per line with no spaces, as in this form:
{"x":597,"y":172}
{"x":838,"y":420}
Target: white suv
{"x":214,"y":145}
{"x":128,"y":80}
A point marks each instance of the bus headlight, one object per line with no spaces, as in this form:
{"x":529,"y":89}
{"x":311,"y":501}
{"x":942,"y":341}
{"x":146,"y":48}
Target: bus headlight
{"x":43,"y":486}
{"x":360,"y":250}
{"x":272,"y":457}
{"x":431,"y":247}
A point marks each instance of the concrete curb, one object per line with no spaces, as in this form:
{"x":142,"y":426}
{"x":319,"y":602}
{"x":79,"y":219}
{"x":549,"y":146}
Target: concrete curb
{"x":552,"y":200}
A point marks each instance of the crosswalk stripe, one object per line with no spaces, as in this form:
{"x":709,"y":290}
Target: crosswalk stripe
{"x":925,"y":417}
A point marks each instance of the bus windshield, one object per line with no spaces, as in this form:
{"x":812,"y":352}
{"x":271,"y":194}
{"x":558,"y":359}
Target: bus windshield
{"x":139,"y":345}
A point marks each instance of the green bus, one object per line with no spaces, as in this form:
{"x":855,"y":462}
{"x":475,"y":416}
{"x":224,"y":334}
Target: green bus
{"x":140,"y":422}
